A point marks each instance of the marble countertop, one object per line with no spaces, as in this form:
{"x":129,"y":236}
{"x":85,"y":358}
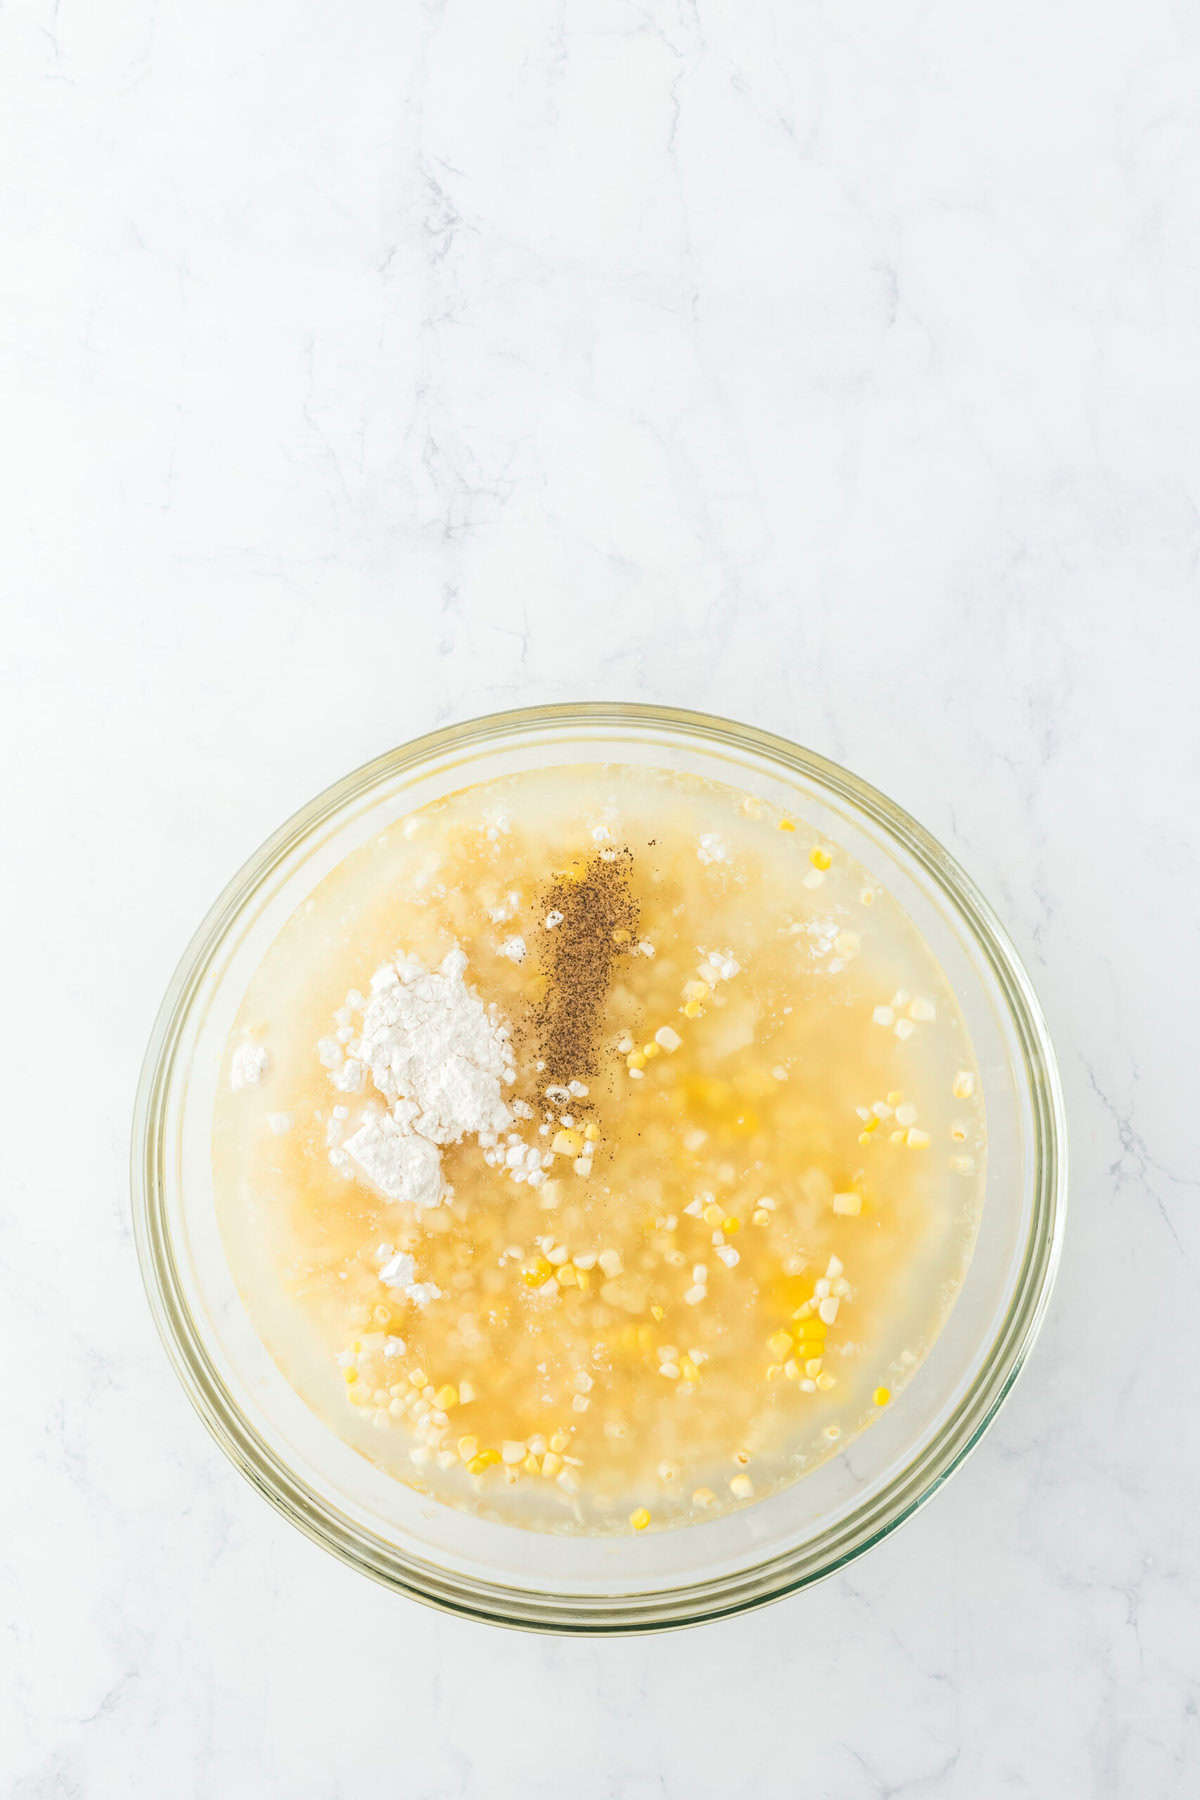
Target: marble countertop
{"x":828,"y":367}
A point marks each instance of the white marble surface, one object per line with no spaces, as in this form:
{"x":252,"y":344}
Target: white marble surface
{"x":827,"y":365}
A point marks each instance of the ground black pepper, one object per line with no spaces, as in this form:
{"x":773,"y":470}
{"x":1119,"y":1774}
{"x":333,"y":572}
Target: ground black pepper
{"x":598,"y":924}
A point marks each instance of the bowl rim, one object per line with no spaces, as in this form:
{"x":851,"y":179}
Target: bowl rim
{"x":746,"y":1587}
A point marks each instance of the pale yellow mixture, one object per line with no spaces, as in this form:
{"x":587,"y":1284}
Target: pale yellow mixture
{"x":760,"y":1200}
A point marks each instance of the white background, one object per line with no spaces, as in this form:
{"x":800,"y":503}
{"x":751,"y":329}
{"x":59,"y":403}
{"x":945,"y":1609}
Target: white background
{"x":826,"y":363}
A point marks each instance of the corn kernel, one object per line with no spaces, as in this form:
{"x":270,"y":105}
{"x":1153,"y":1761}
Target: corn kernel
{"x":813,"y":1366}
{"x":819,"y":857}
{"x":468,"y":1447}
{"x":693,"y":1010}
{"x":559,"y":1441}
{"x":730,"y":1224}
{"x":591,"y":1132}
{"x":759,"y":1217}
{"x":446,"y":1397}
{"x":567,"y":1143}
{"x":787,"y":825}
{"x":351,"y":1376}
{"x":964,"y":1085}
{"x":537,"y":1273}
{"x":825,"y":1381}
{"x":881,"y":1396}
{"x":640,"y":1519}
{"x":712,"y":1215}
{"x":419,"y":1378}
{"x":651,"y":1049}
{"x":567,"y":1276}
{"x":695,"y":990}
{"x":486,"y":1459}
{"x":552,"y":1462}
{"x":656,"y":1312}
{"x":850,"y":1205}
{"x":688,"y":1369}
{"x":779,"y":1343}
{"x":635,"y":1060}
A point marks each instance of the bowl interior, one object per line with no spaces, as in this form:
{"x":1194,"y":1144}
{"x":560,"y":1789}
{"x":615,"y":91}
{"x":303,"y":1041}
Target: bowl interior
{"x":498,"y":1571}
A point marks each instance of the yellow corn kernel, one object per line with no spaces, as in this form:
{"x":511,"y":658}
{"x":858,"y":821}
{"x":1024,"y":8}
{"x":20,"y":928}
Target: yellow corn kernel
{"x":468,"y":1447}
{"x":693,"y":1010}
{"x":730,"y":1224}
{"x":791,"y":1369}
{"x":635,"y":1060}
{"x":583,"y":1280}
{"x":813,"y":1366}
{"x":640,"y":1519}
{"x":656,"y":1312}
{"x":486,"y":1459}
{"x":651,"y":1049}
{"x":446,"y":1397}
{"x":645,"y":1337}
{"x":712,"y":1214}
{"x":871,"y":1125}
{"x":810,"y":1326}
{"x":591,"y":1132}
{"x":537,"y":1273}
{"x":774,"y":1369}
{"x":825,"y":1381}
{"x":531,"y":1465}
{"x":759,"y":1217}
{"x":819,"y":857}
{"x":894,"y":1098}
{"x":567,"y":1275}
{"x":559,"y":1441}
{"x":881,"y":1396}
{"x":787,"y":824}
{"x":552,"y":1462}
{"x":351,"y":1376}
{"x":688,"y":1369}
{"x":567,"y":1143}
{"x":419,"y":1378}
{"x":780,"y":1344}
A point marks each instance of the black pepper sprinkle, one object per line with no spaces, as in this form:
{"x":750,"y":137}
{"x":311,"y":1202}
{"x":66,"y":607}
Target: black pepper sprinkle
{"x":599,"y":919}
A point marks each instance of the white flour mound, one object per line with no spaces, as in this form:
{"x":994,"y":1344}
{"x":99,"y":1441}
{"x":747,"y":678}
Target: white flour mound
{"x":438,"y":1058}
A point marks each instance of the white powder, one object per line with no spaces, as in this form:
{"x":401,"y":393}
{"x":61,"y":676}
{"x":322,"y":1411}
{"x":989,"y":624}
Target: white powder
{"x":514,"y":949}
{"x":439,"y":1057}
{"x":249,"y":1065}
{"x":401,"y":1164}
{"x":711,"y":848}
{"x":401,"y":1272}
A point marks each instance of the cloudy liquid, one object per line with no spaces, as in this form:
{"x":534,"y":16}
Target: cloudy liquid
{"x":784,"y":1112}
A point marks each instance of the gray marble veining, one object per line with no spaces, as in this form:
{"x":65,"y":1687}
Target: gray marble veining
{"x":829,"y":367}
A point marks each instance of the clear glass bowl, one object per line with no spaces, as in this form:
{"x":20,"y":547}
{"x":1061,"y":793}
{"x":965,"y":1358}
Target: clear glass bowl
{"x":581,"y":1584}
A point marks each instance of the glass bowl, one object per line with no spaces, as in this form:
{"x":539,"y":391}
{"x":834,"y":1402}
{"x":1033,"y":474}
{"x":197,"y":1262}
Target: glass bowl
{"x":477,"y":1567}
